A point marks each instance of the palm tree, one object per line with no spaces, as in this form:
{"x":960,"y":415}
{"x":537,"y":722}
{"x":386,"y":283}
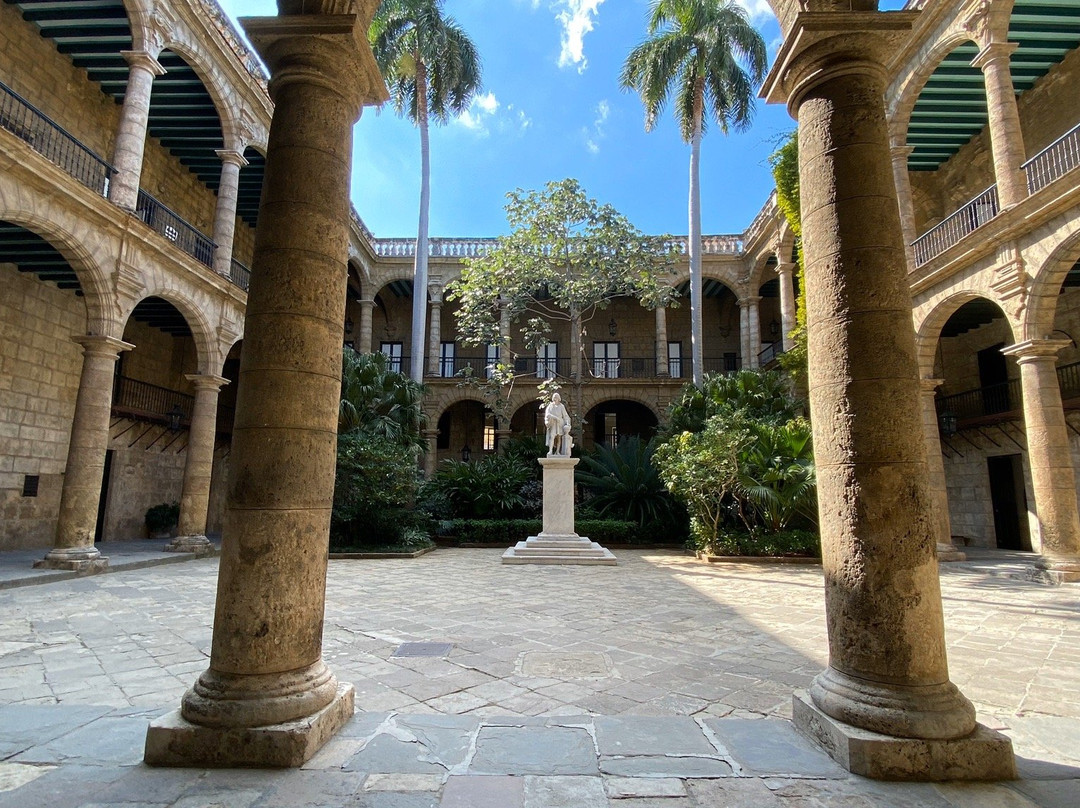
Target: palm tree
{"x":433,"y":71}
{"x":378,"y":402}
{"x":699,"y":48}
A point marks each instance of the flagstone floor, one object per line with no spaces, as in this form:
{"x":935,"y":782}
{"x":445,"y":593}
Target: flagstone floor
{"x":661,"y":682}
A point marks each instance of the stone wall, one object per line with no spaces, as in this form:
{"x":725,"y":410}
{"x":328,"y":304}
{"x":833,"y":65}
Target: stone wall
{"x":147,"y":468}
{"x":158,"y":358}
{"x":39,"y":380}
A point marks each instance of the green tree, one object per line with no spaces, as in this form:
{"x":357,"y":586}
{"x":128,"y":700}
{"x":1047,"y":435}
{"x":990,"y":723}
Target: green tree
{"x":698,"y":48}
{"x":761,"y":395}
{"x":566,"y":258}
{"x":432,"y":70}
{"x":377,"y":401}
{"x":785,"y":170}
{"x":625,"y":483}
{"x":776,"y":476}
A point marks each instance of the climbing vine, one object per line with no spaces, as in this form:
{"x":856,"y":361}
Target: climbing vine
{"x":785,"y":170}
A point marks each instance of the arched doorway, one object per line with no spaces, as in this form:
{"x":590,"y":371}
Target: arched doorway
{"x":609,"y":421}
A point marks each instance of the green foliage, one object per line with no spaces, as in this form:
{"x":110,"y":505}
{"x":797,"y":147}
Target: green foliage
{"x":785,"y":170}
{"x":776,"y":475}
{"x":490,"y":487}
{"x":379,"y":402}
{"x":733,"y":542}
{"x":763,"y":395}
{"x":526,"y":450}
{"x":624,"y":483}
{"x":424,"y":56}
{"x":162,"y":517}
{"x":373,"y":491}
{"x":709,"y":54}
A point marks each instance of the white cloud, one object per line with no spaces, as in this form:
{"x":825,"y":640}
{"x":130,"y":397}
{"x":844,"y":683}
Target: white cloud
{"x":594,"y":135}
{"x":486,"y":112}
{"x":759,"y":10}
{"x":576,"y":18}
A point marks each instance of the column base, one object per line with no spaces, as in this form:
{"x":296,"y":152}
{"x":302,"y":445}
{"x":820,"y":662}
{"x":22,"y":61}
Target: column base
{"x":83,"y":560}
{"x":982,"y":755}
{"x":173,"y":741}
{"x":199,"y":545}
{"x":1055,"y":570}
{"x":949,"y":552}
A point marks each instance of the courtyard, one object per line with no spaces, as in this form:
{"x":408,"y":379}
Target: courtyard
{"x":663,"y":682}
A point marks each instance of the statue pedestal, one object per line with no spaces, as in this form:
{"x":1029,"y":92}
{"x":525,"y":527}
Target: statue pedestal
{"x":557,"y":542}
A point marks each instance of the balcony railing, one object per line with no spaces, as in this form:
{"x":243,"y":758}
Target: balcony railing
{"x":973,"y":215}
{"x":169,"y":224}
{"x":437,"y":247}
{"x":1053,"y":162}
{"x":149,"y":401}
{"x":710,"y":245}
{"x":771,"y":353}
{"x":999,"y":399}
{"x":27,"y":122}
{"x":239,"y":274}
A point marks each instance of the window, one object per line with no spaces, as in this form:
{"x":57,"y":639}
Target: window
{"x":392,"y":351}
{"x":674,"y":359}
{"x":547,"y":360}
{"x":491,"y":359}
{"x":446,"y":359}
{"x":489,"y":432}
{"x":606,"y":360}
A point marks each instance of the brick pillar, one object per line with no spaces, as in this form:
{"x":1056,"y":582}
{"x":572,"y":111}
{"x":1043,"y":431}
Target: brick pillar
{"x":1006,"y":137}
{"x":786,"y":271}
{"x":661,"y":342}
{"x":887,"y":674}
{"x":367,"y":307}
{"x":199,"y":466}
{"x":267,"y":698}
{"x":431,"y":457}
{"x":131,"y":136}
{"x":1053,"y":479}
{"x":225,"y":213}
{"x":73,"y":547}
{"x":905,"y":204}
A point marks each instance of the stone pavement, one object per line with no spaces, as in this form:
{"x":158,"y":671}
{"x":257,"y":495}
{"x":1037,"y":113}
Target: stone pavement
{"x":663,"y":682}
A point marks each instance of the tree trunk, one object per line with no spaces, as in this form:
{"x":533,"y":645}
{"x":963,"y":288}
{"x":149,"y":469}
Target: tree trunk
{"x":420,"y":268}
{"x":693,"y":245}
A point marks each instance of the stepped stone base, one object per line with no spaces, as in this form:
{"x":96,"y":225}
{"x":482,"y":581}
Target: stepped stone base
{"x":199,"y":545}
{"x":173,"y":741}
{"x":949,"y":552}
{"x":982,"y":755}
{"x":559,"y":549}
{"x":83,"y":566}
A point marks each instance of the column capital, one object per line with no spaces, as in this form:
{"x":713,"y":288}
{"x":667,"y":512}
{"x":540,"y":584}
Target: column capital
{"x":823,"y":45}
{"x":206,"y":381}
{"x":900,"y":152}
{"x":231,"y":156}
{"x":748,"y":301}
{"x":326,"y":50}
{"x":929,"y":385}
{"x":992,"y":52}
{"x":430,"y":433}
{"x":100,"y":345}
{"x":786,"y":268}
{"x":144,"y":60}
{"x":365,"y":302}
{"x":1034,"y":350}
{"x":436,"y":295}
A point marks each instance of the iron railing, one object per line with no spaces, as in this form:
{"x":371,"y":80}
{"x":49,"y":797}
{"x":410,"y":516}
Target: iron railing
{"x":771,"y":353}
{"x":149,"y":401}
{"x":971,"y":216}
{"x":43,"y":135}
{"x":239,"y":274}
{"x":1006,"y":397}
{"x":1069,"y":380}
{"x":1053,"y":162}
{"x":399,"y":364}
{"x":166,"y":222}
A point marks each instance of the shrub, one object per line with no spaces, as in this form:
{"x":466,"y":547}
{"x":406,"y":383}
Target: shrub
{"x":162,"y":517}
{"x":490,"y":487}
{"x":506,"y":532}
{"x":760,"y":395}
{"x":624,"y":483}
{"x":759,"y":543}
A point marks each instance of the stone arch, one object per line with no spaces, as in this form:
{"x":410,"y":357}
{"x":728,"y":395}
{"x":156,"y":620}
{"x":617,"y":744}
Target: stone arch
{"x":207,"y":349}
{"x":443,"y":400}
{"x":760,"y":273}
{"x":188,"y":47}
{"x":86,"y":249}
{"x":1047,"y":278}
{"x":928,"y":332}
{"x":592,"y":399}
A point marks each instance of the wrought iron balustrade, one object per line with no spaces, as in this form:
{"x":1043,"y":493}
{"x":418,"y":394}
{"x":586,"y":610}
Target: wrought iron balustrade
{"x":47,"y":138}
{"x":149,"y":401}
{"x":166,"y":222}
{"x":1053,"y":162}
{"x":993,"y":399}
{"x":954,"y":227}
{"x":239,"y":274}
{"x":1069,"y":380}
{"x":771,"y":353}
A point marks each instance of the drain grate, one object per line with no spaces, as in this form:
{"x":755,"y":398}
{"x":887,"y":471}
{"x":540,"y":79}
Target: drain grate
{"x":426,"y":649}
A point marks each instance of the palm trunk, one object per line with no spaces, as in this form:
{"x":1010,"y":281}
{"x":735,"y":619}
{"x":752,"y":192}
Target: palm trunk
{"x":578,"y":417}
{"x":420,"y":268}
{"x":694,"y":241}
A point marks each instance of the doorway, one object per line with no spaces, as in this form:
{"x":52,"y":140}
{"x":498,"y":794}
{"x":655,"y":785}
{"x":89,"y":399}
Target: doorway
{"x":1009,"y":502}
{"x":103,"y":500}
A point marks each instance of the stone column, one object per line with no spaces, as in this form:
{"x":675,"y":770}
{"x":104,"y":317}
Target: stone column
{"x":786,"y":271}
{"x":431,"y":457}
{"x":367,"y":308}
{"x":661,"y":342}
{"x":935,"y":465}
{"x":1006,"y":138}
{"x":885,"y":706}
{"x":73,"y":548}
{"x":268,"y":698}
{"x":131,"y":136}
{"x":753,"y":330}
{"x":502,"y":435}
{"x":1053,"y":479}
{"x":900,"y":152}
{"x":435,"y":334}
{"x":744,"y":333}
{"x":225,"y":213}
{"x":199,"y":466}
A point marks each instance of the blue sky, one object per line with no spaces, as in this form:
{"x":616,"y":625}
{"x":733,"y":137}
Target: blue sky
{"x":552,"y":108}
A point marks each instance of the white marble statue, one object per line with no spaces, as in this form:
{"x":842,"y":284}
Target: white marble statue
{"x":557,"y":428}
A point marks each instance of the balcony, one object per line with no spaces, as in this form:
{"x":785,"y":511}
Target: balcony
{"x":997,"y":403}
{"x":592,"y":370}
{"x":175,"y":229}
{"x":143,"y":401}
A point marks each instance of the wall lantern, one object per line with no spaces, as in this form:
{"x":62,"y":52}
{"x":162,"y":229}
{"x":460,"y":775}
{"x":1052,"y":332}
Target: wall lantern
{"x":466,"y":453}
{"x":948,"y":423}
{"x":176,"y":414}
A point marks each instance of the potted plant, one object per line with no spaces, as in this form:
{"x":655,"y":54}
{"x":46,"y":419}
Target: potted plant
{"x":161,"y":519}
